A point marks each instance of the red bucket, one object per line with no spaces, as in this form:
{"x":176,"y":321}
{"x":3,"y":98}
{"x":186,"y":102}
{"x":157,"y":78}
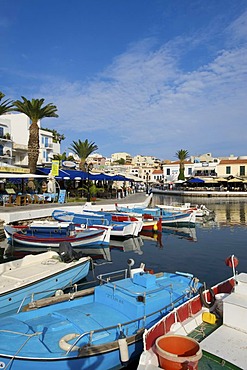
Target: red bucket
{"x":177,"y":352}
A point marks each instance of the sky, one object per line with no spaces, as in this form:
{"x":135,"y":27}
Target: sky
{"x":147,"y":77}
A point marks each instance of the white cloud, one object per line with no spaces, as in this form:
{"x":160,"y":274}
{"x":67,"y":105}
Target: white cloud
{"x":147,"y":100}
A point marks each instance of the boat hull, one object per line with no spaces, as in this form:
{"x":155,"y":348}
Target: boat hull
{"x":51,"y":238}
{"x":17,"y":288}
{"x":43,"y":338}
{"x":118,"y":229}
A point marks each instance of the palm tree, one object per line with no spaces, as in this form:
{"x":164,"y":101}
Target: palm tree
{"x":6,"y":106}
{"x":83,"y":149}
{"x":35,"y":110}
{"x":182,"y":155}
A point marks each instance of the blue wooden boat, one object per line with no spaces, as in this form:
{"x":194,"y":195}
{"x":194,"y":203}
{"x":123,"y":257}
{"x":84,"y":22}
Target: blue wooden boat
{"x":99,"y":331}
{"x":167,"y":218}
{"x":37,"y":276}
{"x":89,"y":218}
{"x":51,"y":234}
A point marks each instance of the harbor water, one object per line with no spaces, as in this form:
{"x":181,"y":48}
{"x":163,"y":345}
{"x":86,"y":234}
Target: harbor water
{"x":199,"y":250}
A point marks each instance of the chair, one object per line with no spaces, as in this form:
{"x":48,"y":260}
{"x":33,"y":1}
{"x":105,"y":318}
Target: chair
{"x":38,"y":199}
{"x":29,"y":199}
{"x":10,"y":198}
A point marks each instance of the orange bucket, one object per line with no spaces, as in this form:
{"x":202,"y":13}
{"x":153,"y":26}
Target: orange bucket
{"x":177,"y":352}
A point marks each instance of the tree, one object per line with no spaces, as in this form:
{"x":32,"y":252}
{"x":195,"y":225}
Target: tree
{"x":57,"y":138}
{"x":182,"y":155}
{"x":6,"y":106}
{"x":83,"y":149}
{"x":35,"y":110}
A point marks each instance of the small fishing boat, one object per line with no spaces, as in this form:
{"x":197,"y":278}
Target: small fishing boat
{"x":37,"y":276}
{"x":112,"y":207}
{"x":200,"y":210}
{"x":50,"y":234}
{"x":124,"y":229}
{"x":143,"y":221}
{"x":99,"y":331}
{"x":209,"y":331}
{"x":167,"y":218}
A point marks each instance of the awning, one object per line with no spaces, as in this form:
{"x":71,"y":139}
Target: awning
{"x":21,"y":176}
{"x":64,"y":174}
{"x":211,"y":181}
{"x":81,"y":175}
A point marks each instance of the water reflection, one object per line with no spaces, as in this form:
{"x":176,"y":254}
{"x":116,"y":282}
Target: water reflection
{"x":227,"y":211}
{"x":11,"y":252}
{"x":152,"y":236}
{"x":128,"y":245}
{"x":181,"y":232}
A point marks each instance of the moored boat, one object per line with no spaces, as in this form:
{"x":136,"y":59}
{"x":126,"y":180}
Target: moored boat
{"x":37,"y":276}
{"x":215,"y":319}
{"x":100,"y":331}
{"x":200,"y":210}
{"x":50,"y":234}
{"x":167,"y":218}
{"x":112,"y":207}
{"x":118,"y":229}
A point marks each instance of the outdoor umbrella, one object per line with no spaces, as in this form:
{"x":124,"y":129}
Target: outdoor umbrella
{"x":221,"y":179}
{"x":235,"y":180}
{"x":196,"y":180}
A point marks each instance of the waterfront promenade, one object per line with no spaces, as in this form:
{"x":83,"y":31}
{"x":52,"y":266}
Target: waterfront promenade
{"x":34,"y":211}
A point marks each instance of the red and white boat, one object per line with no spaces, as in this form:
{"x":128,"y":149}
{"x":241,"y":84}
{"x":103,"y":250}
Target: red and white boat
{"x":209,"y":331}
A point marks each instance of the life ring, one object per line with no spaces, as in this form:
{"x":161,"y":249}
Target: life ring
{"x":203,"y":299}
{"x":63,"y":343}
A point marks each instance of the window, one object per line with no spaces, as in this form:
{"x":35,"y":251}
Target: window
{"x":242,"y":170}
{"x":168,"y":171}
{"x":1,"y":150}
{"x":189,"y":171}
{"x":228,"y":170}
{"x":1,"y":131}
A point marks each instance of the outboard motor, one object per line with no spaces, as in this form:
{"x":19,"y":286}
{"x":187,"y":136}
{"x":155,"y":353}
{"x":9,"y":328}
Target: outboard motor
{"x":67,"y":253}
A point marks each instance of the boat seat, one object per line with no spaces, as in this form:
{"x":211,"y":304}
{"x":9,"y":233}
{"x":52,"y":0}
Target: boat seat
{"x":25,"y":272}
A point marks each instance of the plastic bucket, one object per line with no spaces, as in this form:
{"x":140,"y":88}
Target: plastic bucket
{"x":178,"y":352}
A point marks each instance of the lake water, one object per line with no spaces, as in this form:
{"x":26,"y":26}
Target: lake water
{"x":201,"y":250}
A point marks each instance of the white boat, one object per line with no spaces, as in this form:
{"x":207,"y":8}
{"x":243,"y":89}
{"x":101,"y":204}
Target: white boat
{"x":214,"y":323}
{"x":37,"y":276}
{"x":200,"y":210}
{"x":112,"y":207}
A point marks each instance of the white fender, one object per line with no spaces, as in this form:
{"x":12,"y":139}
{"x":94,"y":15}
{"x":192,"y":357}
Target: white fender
{"x":123,"y":349}
{"x":63,"y":343}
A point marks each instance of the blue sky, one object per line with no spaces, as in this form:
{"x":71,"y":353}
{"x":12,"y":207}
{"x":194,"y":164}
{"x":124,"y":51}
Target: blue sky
{"x":145,"y":77}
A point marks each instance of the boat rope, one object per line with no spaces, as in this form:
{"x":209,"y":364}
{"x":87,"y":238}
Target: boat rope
{"x":200,"y":330}
{"x":29,"y":336}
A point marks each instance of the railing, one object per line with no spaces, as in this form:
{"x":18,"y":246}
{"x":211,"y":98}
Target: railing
{"x":138,"y":320}
{"x":115,"y":286}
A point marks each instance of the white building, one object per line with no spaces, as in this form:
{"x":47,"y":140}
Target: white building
{"x":142,"y":161}
{"x":14,"y":135}
{"x":117,"y":156}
